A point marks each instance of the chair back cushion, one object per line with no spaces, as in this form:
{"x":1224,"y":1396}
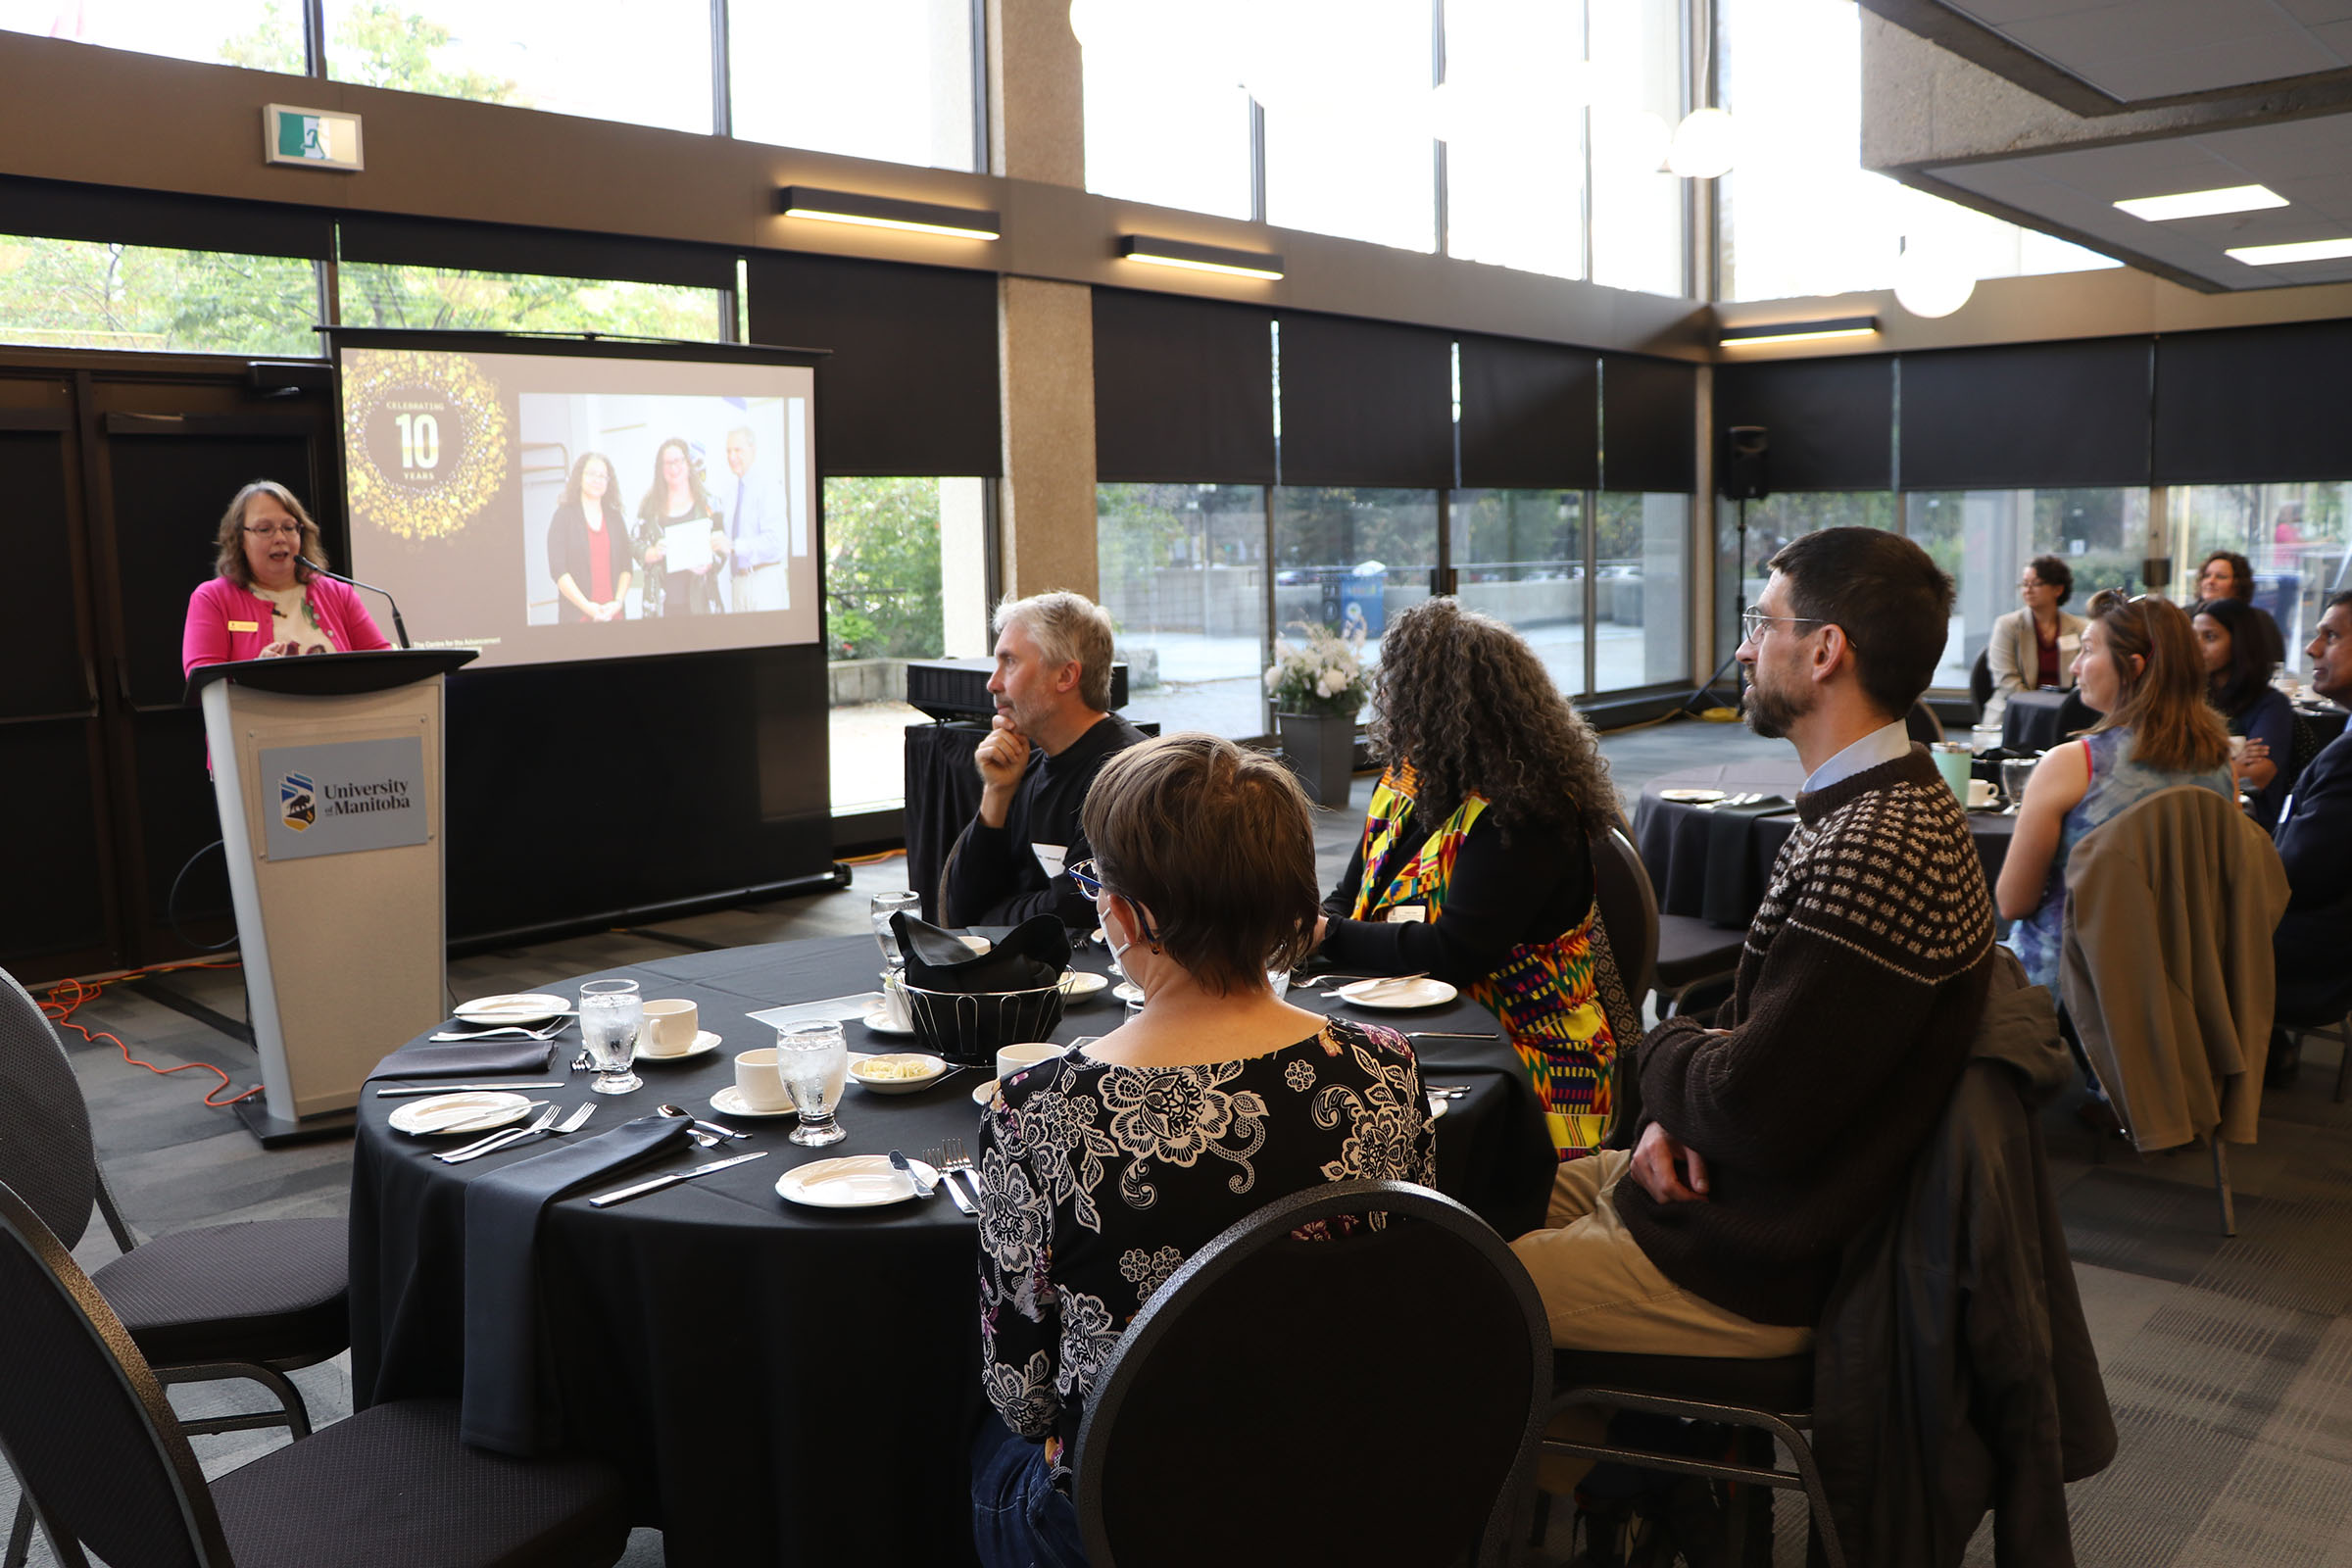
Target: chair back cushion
{"x":1922,"y":724}
{"x":1980,"y":680}
{"x":82,"y":1418}
{"x":1367,"y":1396}
{"x":1629,"y":911}
{"x":45,"y":1149}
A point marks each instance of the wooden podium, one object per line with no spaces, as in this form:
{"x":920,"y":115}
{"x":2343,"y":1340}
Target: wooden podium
{"x":329,"y":771}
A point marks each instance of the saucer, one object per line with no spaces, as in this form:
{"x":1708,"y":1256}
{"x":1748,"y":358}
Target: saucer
{"x":934,"y":1070}
{"x":705,"y":1042}
{"x":1082,"y":983}
{"x":985,"y":1093}
{"x":1397,"y":996}
{"x":472,"y":1113}
{"x":854,"y":1180}
{"x":1128,"y":991}
{"x":517,"y":1007}
{"x":729,"y":1102}
{"x":879,"y":1022}
{"x":1436,"y":1106}
{"x":1690,"y":797}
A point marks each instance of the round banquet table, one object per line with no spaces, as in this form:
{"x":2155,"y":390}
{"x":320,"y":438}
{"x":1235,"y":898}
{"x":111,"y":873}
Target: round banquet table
{"x":785,"y":1384}
{"x":1676,"y":840}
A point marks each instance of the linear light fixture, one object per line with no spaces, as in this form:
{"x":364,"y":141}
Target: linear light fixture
{"x":2202,"y":203}
{"x":1798,"y":331}
{"x":2309,"y":250}
{"x":1199,"y":258}
{"x":888,"y":212}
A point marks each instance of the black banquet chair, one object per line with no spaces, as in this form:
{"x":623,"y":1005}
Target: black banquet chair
{"x":1683,"y":954}
{"x":86,"y":1428}
{"x":255,"y":1301}
{"x":1375,"y":1396}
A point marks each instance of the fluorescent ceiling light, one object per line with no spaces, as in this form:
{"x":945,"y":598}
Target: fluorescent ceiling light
{"x":1798,"y":331}
{"x":2310,"y":250}
{"x":1201,"y":258}
{"x":886,"y":212}
{"x":2202,"y":203}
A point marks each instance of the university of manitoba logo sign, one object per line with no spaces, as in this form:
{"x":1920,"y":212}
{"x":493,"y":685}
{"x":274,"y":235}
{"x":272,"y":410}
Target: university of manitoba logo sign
{"x":345,"y":796}
{"x":298,"y":800}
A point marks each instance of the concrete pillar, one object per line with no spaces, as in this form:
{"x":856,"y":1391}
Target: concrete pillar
{"x":1046,"y":501}
{"x":1037,"y":116}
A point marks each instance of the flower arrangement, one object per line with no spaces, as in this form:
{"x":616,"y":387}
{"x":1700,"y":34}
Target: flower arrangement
{"x":1322,"y":677}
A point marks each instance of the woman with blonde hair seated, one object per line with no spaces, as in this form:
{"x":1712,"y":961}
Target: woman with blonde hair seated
{"x":1101,"y":1171}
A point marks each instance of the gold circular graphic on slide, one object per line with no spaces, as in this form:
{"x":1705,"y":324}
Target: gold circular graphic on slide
{"x":427,"y":440}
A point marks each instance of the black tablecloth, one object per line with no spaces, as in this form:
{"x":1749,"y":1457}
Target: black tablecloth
{"x":1674,"y":838}
{"x":786,"y":1385}
{"x":943,"y":794}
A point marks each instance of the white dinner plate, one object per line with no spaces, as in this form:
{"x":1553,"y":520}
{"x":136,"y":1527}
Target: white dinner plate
{"x":527,"y":1006}
{"x":705,"y":1042}
{"x":1081,"y":982}
{"x":1100,"y":938}
{"x":1436,"y":1106}
{"x":854,"y":1180}
{"x":934,"y":1068}
{"x":879,"y":1022}
{"x":985,"y":1093}
{"x":1397,"y":996}
{"x":729,"y":1102}
{"x":472,"y":1112}
{"x":1690,"y":797}
{"x":1128,"y":991}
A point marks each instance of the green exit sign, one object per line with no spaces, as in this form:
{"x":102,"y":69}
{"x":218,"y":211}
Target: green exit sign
{"x":316,"y":138}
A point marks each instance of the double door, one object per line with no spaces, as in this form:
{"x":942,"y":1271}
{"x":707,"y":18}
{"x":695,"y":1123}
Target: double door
{"x":115,"y":477}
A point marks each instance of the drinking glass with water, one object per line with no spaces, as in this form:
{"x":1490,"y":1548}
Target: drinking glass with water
{"x":611,"y":1013}
{"x":814,"y":1062}
{"x":882,"y":907}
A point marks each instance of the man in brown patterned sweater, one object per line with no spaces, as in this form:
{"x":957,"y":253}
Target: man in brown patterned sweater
{"x":1773,"y":1139}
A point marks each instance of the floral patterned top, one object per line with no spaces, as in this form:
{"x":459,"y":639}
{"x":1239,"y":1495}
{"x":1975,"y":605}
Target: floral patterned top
{"x":1098,"y":1181}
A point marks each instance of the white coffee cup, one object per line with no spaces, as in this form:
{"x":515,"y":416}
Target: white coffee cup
{"x":757,"y":1082}
{"x":894,"y":1008}
{"x":1028,"y":1054}
{"x":1982,"y":792}
{"x":2237,"y":747}
{"x":671,"y":1027}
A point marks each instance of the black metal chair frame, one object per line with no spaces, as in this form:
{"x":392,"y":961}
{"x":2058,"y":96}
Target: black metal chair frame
{"x":1237,"y":1245}
{"x":2339,"y":1031}
{"x":1616,"y":841}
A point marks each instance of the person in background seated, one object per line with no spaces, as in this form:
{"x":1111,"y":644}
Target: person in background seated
{"x":2227,"y":574}
{"x":588,"y":544}
{"x":1103,"y":1171}
{"x":2240,"y":690}
{"x":2142,"y":667}
{"x":2035,"y":647}
{"x":266,"y":600}
{"x":1052,"y":733}
{"x":1476,"y":860}
{"x":1774,"y":1138}
{"x":2315,"y":840}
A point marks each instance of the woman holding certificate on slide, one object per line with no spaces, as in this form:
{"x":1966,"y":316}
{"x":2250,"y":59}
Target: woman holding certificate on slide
{"x":588,"y":544}
{"x":677,"y":532}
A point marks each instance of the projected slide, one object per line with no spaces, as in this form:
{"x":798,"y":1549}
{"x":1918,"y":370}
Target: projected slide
{"x":552,"y":507}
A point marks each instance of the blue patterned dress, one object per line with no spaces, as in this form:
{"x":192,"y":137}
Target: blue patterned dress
{"x":2117,"y":783}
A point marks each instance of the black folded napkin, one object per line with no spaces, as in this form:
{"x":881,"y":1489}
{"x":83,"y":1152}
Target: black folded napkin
{"x":1733,"y":889}
{"x":509,"y":1402}
{"x":1032,"y":954}
{"x":462,"y":1059}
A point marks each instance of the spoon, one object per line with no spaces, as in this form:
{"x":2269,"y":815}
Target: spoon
{"x":696,"y":1133}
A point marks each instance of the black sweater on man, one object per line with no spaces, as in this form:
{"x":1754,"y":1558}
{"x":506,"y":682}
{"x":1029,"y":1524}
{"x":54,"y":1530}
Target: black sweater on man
{"x":993,"y":876}
{"x":1857,"y":1002}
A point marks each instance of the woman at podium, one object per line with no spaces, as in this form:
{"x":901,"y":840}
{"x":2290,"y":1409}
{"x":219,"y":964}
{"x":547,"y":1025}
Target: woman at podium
{"x":265,"y":599}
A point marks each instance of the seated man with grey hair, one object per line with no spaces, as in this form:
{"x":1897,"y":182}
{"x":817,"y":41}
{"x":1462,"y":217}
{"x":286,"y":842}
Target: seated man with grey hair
{"x":1052,"y":733}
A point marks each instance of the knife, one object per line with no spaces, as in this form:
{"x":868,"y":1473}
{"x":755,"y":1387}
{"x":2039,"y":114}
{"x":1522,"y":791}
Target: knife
{"x":461,"y":1089}
{"x":898,"y":1161}
{"x":607,"y":1199}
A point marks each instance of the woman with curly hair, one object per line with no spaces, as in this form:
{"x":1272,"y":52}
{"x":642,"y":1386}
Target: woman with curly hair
{"x":1476,"y":861}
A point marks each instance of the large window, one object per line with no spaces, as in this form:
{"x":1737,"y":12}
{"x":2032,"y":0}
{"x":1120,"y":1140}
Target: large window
{"x":1349,"y":558}
{"x":1183,"y":571}
{"x":1167,"y":121}
{"x":881,"y":79}
{"x":1635,"y":47}
{"x":2294,"y":535}
{"x":80,"y":294}
{"x":1515,"y":141}
{"x":1347,"y":98}
{"x":377,"y":294}
{"x":1519,"y":556}
{"x":1641,"y":547}
{"x":1985,"y":537}
{"x":1799,"y":214}
{"x":265,"y":34}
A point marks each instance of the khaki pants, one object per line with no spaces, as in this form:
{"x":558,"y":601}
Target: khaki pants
{"x":759,"y":588}
{"x":1602,"y":1293}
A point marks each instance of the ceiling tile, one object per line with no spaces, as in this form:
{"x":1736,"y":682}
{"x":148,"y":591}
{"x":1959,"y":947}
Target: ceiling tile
{"x":2196,"y":68}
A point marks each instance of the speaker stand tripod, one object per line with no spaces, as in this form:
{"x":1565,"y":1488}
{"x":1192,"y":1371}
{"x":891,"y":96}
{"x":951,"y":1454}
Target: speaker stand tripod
{"x":1706,"y":688}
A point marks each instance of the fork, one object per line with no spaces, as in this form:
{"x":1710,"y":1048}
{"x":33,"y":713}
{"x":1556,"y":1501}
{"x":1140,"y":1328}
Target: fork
{"x":570,"y":1124}
{"x":957,"y":1163}
{"x":939,"y":1162}
{"x":546,"y":1119}
{"x":1351,"y":979}
{"x":546,"y":1031}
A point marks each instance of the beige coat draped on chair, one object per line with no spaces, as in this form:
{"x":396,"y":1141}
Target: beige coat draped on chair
{"x":2167,"y":968}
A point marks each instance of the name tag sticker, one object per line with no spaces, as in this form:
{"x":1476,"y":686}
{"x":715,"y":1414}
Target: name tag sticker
{"x":244,"y":625}
{"x":1409,"y":914}
{"x":1050,"y":857}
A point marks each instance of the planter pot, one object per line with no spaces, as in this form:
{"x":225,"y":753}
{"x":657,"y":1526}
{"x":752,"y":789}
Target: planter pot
{"x":1321,"y":751}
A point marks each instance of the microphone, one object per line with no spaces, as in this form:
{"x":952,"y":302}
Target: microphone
{"x":399,"y":629}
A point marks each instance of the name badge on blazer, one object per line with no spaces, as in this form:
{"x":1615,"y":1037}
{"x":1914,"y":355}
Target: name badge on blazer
{"x":2071,"y":643}
{"x":244,"y":625}
{"x":1408,"y":914}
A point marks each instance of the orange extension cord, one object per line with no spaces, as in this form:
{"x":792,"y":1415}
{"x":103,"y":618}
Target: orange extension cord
{"x":67,"y":996}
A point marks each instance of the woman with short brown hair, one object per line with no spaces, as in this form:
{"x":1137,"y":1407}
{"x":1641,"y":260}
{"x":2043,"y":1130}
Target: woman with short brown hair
{"x":1103,"y":1170}
{"x":265,"y":599}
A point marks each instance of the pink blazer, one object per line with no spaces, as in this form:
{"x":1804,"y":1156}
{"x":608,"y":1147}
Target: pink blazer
{"x":226,"y":623}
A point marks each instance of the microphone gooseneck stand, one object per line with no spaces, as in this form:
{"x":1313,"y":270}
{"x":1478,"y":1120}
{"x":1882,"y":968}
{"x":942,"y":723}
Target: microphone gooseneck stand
{"x":400,"y":628}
